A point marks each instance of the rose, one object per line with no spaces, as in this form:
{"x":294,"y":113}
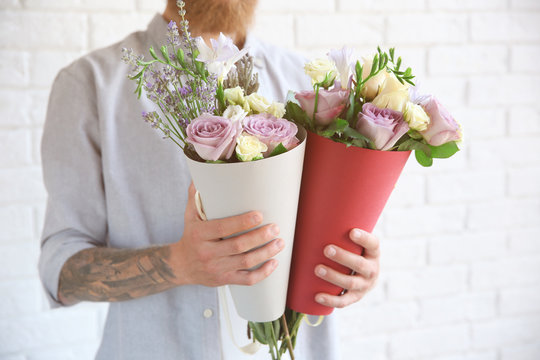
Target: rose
{"x":392,"y":95}
{"x":321,"y":71}
{"x":331,"y":104}
{"x":234,"y":113}
{"x":249,"y":148}
{"x":443,"y":127}
{"x":372,"y":86}
{"x":416,"y":117}
{"x":213,"y":137}
{"x":277,"y":109}
{"x":271,"y":131}
{"x":257,"y":103}
{"x":382,"y":126}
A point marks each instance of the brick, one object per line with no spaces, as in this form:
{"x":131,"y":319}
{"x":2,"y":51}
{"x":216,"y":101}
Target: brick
{"x":424,"y":220}
{"x":521,"y":352}
{"x":457,"y":308}
{"x":37,"y":133}
{"x":409,"y":190}
{"x":481,"y":123}
{"x":44,"y":65}
{"x":481,"y":355}
{"x":353,"y":347}
{"x":15,"y":147}
{"x":16,"y":223}
{"x":100,"y":5}
{"x":451,"y":91}
{"x":150,"y":5}
{"x":299,"y":6}
{"x":504,"y":214}
{"x":505,"y":331}
{"x":466,"y":248}
{"x":473,"y":185}
{"x":282,"y":26}
{"x":311,"y":32}
{"x":23,"y":184}
{"x":25,"y":30}
{"x":469,"y":59}
{"x":14,"y":105}
{"x":426,"y":281}
{"x":429,"y":342}
{"x":525,"y":4}
{"x":465,"y":5}
{"x":39,"y":217}
{"x":381,"y":5}
{"x":524,"y":241}
{"x":38,"y":102}
{"x":493,"y":90}
{"x":18,"y":259}
{"x":520,"y":301}
{"x":505,"y":27}
{"x":524,"y":181}
{"x":524,"y":121}
{"x":14,"y":68}
{"x":414,"y":57}
{"x":81,"y":351}
{"x":514,"y":151}
{"x":411,"y":29}
{"x":19,"y":298}
{"x":8,"y":4}
{"x":524,"y":58}
{"x":106,"y":29}
{"x":506,"y":272}
{"x":399,"y":254}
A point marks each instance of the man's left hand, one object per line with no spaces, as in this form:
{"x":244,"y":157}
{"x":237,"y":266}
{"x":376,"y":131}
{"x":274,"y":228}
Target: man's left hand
{"x":365,"y":267}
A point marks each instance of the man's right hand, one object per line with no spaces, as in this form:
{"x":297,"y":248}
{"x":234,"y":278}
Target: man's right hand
{"x":207,"y":255}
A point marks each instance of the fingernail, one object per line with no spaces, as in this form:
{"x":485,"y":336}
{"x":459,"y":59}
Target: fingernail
{"x":330,"y":251}
{"x":279,"y":243}
{"x":274,"y":230}
{"x":274,"y":264}
{"x":321,"y":271}
{"x":356,"y":234}
{"x":256,"y":218}
{"x":320,"y":299}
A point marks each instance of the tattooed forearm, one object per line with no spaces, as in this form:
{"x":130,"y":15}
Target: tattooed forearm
{"x":105,"y":274}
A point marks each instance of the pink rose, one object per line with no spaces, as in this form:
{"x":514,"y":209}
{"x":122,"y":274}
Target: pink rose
{"x":213,"y":137}
{"x":271,"y":131}
{"x":331,"y":104}
{"x":382,"y":126}
{"x":442,"y":127}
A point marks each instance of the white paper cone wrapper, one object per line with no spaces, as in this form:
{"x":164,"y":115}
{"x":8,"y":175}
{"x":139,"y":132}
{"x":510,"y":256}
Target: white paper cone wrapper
{"x":271,"y":186}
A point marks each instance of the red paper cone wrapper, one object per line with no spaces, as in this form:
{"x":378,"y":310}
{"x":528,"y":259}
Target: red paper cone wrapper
{"x":342,"y":188}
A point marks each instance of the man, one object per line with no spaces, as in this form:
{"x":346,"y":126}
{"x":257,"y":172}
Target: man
{"x":121,"y":223}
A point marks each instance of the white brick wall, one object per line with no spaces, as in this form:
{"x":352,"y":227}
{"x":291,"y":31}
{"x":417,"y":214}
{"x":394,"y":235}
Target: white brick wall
{"x":461,"y":241}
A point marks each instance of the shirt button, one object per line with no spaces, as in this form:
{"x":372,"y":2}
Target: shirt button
{"x":208,"y":313}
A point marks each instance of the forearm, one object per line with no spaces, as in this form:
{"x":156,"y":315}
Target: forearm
{"x":106,"y":274}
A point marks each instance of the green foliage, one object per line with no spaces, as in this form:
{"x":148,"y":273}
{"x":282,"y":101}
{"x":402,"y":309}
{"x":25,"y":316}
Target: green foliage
{"x":279,"y":149}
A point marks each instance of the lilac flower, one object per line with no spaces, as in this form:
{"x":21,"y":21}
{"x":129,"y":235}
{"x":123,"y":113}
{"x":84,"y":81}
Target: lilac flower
{"x":173,"y":37}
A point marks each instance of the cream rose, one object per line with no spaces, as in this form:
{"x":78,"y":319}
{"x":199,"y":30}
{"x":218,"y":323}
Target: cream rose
{"x":235,"y":113}
{"x":277,"y":109}
{"x":318,"y":70}
{"x":392,"y":95}
{"x":258,"y":103}
{"x":416,"y":116}
{"x":249,"y":147}
{"x":373,"y":85}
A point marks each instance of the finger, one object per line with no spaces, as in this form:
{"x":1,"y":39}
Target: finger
{"x":251,"y":277}
{"x":221,"y":228}
{"x":258,"y":256}
{"x":191,"y":214}
{"x":339,"y":301}
{"x":368,"y":241}
{"x":248,"y":241}
{"x":349,"y":282}
{"x":359,"y":264}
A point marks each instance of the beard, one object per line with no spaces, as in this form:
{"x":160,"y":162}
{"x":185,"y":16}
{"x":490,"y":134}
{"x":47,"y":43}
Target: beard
{"x":231,"y":17}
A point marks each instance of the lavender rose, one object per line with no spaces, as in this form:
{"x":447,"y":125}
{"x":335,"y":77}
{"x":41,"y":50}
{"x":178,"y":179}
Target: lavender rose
{"x":213,"y":137}
{"x":443,"y":127}
{"x":331,"y":104}
{"x":271,"y":131}
{"x":382,"y":126}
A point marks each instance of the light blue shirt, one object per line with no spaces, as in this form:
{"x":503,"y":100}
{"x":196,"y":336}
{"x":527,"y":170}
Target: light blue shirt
{"x":113,"y":181}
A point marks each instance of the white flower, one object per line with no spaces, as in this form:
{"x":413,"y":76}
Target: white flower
{"x":320,"y":70}
{"x":221,"y":57}
{"x":258,"y":103}
{"x":249,"y":147}
{"x":342,"y":60}
{"x":416,"y":117}
{"x":276,"y":109}
{"x":234,"y":113}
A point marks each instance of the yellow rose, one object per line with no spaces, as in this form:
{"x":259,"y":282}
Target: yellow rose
{"x":318,"y":70}
{"x":392,"y":95}
{"x":416,"y":116}
{"x":277,"y":109}
{"x":235,"y":96}
{"x":249,"y":148}
{"x":373,"y":85}
{"x":257,"y":103}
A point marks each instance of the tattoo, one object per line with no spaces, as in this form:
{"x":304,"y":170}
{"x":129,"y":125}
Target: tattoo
{"x":105,"y":274}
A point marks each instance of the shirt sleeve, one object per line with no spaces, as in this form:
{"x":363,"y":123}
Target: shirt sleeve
{"x":75,"y":217}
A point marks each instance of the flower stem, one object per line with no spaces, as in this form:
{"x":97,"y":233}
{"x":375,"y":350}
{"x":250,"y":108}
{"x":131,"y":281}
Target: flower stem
{"x":287,"y":336}
{"x":317,"y":86}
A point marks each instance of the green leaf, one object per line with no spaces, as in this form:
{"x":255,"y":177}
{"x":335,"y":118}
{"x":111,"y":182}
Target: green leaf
{"x":181,"y":57}
{"x":153,"y":53}
{"x":336,"y":127}
{"x":258,"y":332}
{"x":352,"y":133}
{"x":422,"y":158}
{"x":413,"y":144}
{"x":165,"y":53}
{"x":279,"y":149}
{"x":444,"y":151}
{"x":294,"y":113}
{"x":216,"y":161}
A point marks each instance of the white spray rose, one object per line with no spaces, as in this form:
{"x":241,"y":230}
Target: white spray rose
{"x":258,"y":103}
{"x":235,"y":95}
{"x":277,"y":109}
{"x":249,"y":147}
{"x":318,"y":70}
{"x":235,"y":113}
{"x":416,"y":116}
{"x":392,"y":95}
